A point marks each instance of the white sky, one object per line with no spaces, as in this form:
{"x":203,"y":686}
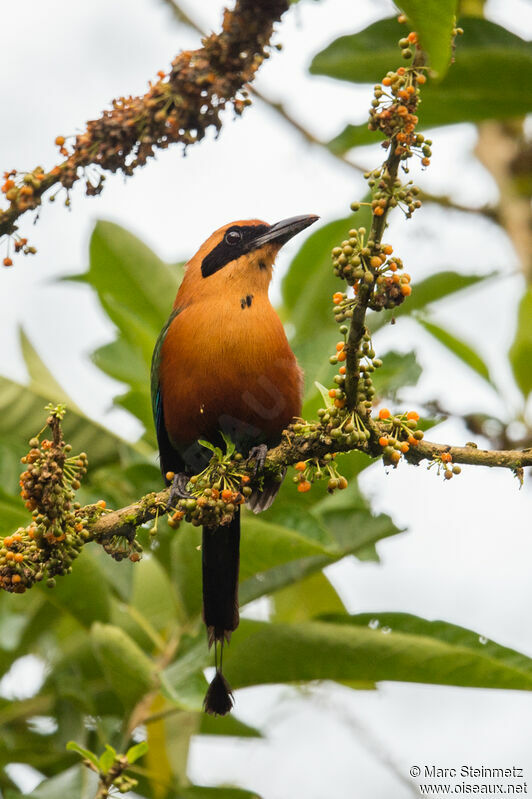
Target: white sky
{"x":466,"y":557}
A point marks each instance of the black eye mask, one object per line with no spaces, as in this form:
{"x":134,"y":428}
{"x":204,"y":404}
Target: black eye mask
{"x":237,"y":241}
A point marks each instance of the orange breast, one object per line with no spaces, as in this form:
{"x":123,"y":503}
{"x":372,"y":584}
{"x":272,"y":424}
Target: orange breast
{"x":228,"y":367}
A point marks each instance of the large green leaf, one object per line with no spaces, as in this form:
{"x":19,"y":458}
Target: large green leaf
{"x":129,"y":671}
{"x":521,"y":349}
{"x":458,"y":347}
{"x":136,"y":290}
{"x":76,"y":783}
{"x":22,"y":415}
{"x":85,"y":594}
{"x":485,"y":82}
{"x":398,"y":370}
{"x":433,"y":20}
{"x":13,"y":514}
{"x":402,"y":648}
{"x":312,"y":596}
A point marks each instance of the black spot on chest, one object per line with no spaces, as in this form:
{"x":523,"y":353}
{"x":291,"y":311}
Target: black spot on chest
{"x":246,"y":301}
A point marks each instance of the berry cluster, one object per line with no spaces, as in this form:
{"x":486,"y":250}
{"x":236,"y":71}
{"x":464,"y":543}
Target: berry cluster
{"x":367,"y":363}
{"x":399,"y":432}
{"x":317,"y":469}
{"x":57,"y":531}
{"x":444,"y":463}
{"x":394,"y":106}
{"x":215,"y":493}
{"x":358,"y":262}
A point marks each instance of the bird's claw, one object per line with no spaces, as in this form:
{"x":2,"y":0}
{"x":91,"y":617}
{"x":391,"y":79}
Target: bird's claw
{"x":258,"y":454}
{"x":178,"y":489}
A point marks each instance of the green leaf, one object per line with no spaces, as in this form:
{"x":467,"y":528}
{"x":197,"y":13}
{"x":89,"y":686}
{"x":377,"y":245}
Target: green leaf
{"x":13,"y":514}
{"x":309,"y":597}
{"x":22,"y":415}
{"x":85,"y":594}
{"x":227,"y":725}
{"x":433,"y":20}
{"x":521,"y":349}
{"x":72,"y":746}
{"x":153,"y":594}
{"x":75,"y":783}
{"x":402,"y":648}
{"x":123,"y":268}
{"x":397,"y":370}
{"x":107,"y":759}
{"x":491,"y":65}
{"x":363,"y":57}
{"x":129,"y":671}
{"x":41,"y":379}
{"x":204,"y":792}
{"x":137,"y":751}
{"x":136,"y":290}
{"x":458,"y":347}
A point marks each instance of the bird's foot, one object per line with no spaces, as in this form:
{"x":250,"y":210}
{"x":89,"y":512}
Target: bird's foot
{"x":178,"y":489}
{"x":258,"y":454}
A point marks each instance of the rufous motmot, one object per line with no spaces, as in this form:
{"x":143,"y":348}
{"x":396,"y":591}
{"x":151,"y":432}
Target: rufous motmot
{"x":222,"y":364}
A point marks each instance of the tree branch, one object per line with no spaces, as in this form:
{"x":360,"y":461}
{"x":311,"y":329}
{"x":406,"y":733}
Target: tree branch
{"x":179,"y":107}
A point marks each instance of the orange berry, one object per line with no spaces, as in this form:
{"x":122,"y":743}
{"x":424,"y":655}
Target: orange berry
{"x":8,"y":541}
{"x":161,"y":74}
{"x":300,"y":466}
{"x":245,"y":480}
{"x":26,"y":191}
{"x":384,"y":413}
{"x":393,"y":266}
{"x":227,"y":495}
{"x":375,"y":261}
{"x":19,"y":557}
{"x":412,"y":37}
{"x":383,"y":441}
{"x":304,"y":486}
{"x":332,"y":393}
{"x":446,"y":457}
{"x":402,"y":18}
{"x":388,"y":249}
{"x":170,"y":476}
{"x":342,"y":356}
{"x":421,"y":79}
{"x":402,"y":110}
{"x":425,"y":161}
{"x":378,"y":211}
{"x":7,"y":262}
{"x":386,"y":81}
{"x":59,"y":140}
{"x":410,"y":90}
{"x":404,"y":447}
{"x":412,"y":441}
{"x":412,"y":415}
{"x":401,"y":71}
{"x":406,"y":290}
{"x":396,"y":279}
{"x":337,"y":297}
{"x":340,"y":346}
{"x":16,"y":578}
{"x":101,"y":503}
{"x":342,"y":483}
{"x":339,"y":403}
{"x":395,"y":457}
{"x":342,"y":370}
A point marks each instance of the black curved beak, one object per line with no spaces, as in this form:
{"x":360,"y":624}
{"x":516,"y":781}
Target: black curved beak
{"x":283,"y":231}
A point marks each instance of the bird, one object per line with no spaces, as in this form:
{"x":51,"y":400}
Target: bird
{"x":222,"y":368}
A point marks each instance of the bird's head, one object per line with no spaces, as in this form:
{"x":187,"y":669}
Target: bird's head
{"x":240,"y":254}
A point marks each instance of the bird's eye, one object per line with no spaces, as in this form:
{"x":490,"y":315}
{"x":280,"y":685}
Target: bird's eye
{"x":233,"y":237}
